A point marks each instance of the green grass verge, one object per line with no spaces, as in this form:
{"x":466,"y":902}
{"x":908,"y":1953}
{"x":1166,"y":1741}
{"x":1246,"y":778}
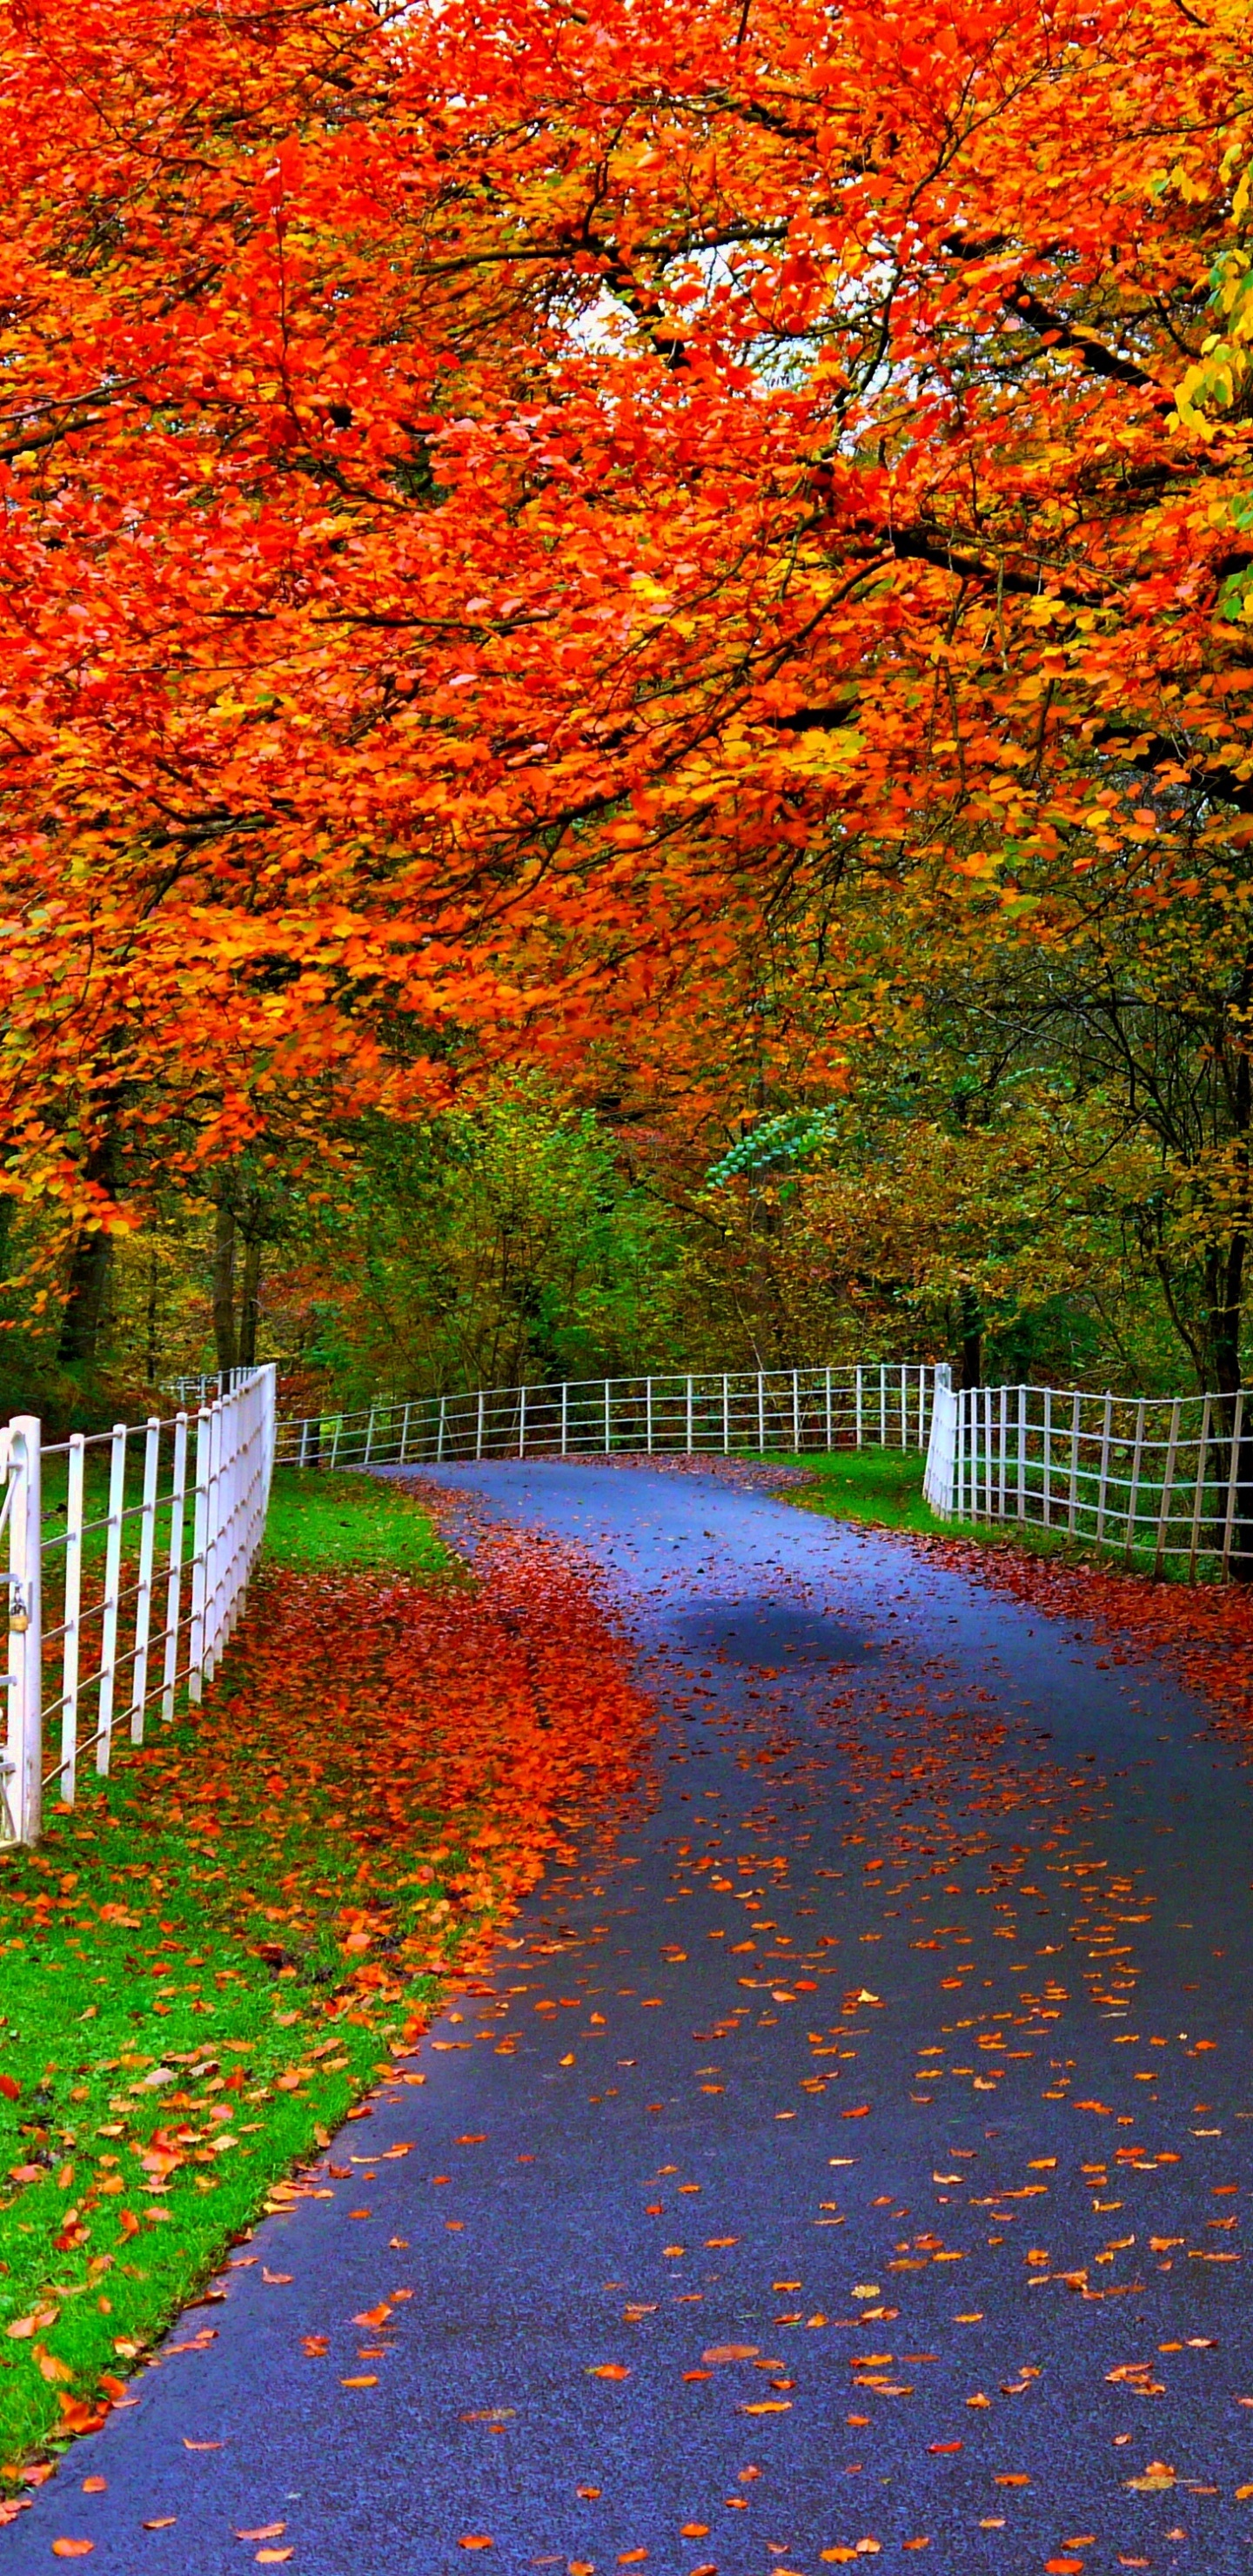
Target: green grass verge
{"x":317,"y":1519}
{"x":137,"y":2001}
{"x":884,"y":1488}
{"x":879,"y":1485}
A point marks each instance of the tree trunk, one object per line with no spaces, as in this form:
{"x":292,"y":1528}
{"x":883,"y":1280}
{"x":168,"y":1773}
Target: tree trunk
{"x":1225,"y":1325}
{"x":971,"y":1362}
{"x":150,"y":1322}
{"x":224,"y":1285}
{"x":86,"y":1289}
{"x":250,"y":1302}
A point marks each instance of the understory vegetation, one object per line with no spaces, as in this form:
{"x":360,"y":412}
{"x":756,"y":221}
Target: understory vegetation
{"x":529,"y":1238}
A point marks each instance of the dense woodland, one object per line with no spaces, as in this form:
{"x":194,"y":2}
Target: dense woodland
{"x":628,"y":695}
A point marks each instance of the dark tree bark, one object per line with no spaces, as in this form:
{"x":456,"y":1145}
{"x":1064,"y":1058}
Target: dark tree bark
{"x":86,"y":1288}
{"x":250,"y":1301}
{"x":971,"y":1361}
{"x":224,"y":1285}
{"x":150,"y":1322}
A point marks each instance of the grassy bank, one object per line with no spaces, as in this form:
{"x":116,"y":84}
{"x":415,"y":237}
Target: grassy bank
{"x":884,"y":1488}
{"x":196,"y":1976}
{"x":879,"y":1485}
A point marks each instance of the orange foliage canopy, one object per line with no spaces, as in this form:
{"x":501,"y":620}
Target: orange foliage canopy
{"x":497,"y":499}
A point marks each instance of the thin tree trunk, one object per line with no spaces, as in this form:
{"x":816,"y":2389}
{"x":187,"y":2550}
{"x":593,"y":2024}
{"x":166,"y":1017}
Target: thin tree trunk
{"x":150,"y":1322}
{"x":224,"y":1284}
{"x":1226,"y":1282}
{"x":250,"y":1302}
{"x":971,"y":1338}
{"x":86,"y":1289}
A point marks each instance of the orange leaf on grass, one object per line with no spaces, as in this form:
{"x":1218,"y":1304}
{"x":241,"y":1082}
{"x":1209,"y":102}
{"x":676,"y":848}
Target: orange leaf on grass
{"x":72,"y":2548}
{"x":608,"y":2370}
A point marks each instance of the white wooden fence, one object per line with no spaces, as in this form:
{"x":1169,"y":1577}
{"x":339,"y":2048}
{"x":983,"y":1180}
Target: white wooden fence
{"x":884,"y":1404}
{"x":1163,"y":1481}
{"x":128,"y":1556}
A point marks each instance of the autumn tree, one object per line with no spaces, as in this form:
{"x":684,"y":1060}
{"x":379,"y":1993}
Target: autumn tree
{"x":497,"y":506}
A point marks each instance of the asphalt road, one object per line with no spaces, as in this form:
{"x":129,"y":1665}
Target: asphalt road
{"x":845,"y":2157}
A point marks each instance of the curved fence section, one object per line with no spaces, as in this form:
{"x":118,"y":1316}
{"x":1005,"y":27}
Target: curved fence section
{"x":724,"y":1414}
{"x":127,"y":1557}
{"x":1164,"y":1482}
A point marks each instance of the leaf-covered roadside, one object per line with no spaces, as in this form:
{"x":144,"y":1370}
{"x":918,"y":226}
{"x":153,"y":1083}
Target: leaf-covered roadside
{"x":1205,"y":1631}
{"x":201,"y":1968}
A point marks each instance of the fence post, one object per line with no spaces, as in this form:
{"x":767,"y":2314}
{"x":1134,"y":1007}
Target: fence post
{"x":1048,"y":1454}
{"x":1233,"y":1480}
{"x":761,"y":1411}
{"x":689,"y":1418}
{"x":212,"y":1548}
{"x":1133,"y":1496}
{"x":1073,"y":1504}
{"x":857,"y":1400}
{"x":22,"y":1781}
{"x":1199,"y":1496}
{"x":143,"y":1589}
{"x":827,"y":1395}
{"x":726,"y":1415}
{"x":443,"y":1425}
{"x":565,"y":1414}
{"x":522,"y":1423}
{"x":609,"y":1419}
{"x":72,"y":1601}
{"x":1103,"y":1493}
{"x":648,"y":1414}
{"x":1022,"y":1453}
{"x":404,"y":1434}
{"x":1168,"y":1480}
{"x":199,"y":1557}
{"x":174,"y":1577}
{"x":112,"y":1584}
{"x":1004,"y":1451}
{"x":796,"y":1412}
{"x":369,"y":1436}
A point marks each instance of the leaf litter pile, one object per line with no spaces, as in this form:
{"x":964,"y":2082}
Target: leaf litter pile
{"x":201,"y":1968}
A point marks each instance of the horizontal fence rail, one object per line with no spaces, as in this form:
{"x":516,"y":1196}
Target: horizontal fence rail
{"x":128,"y":1557}
{"x":721,"y":1413}
{"x":1165,"y":1482}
